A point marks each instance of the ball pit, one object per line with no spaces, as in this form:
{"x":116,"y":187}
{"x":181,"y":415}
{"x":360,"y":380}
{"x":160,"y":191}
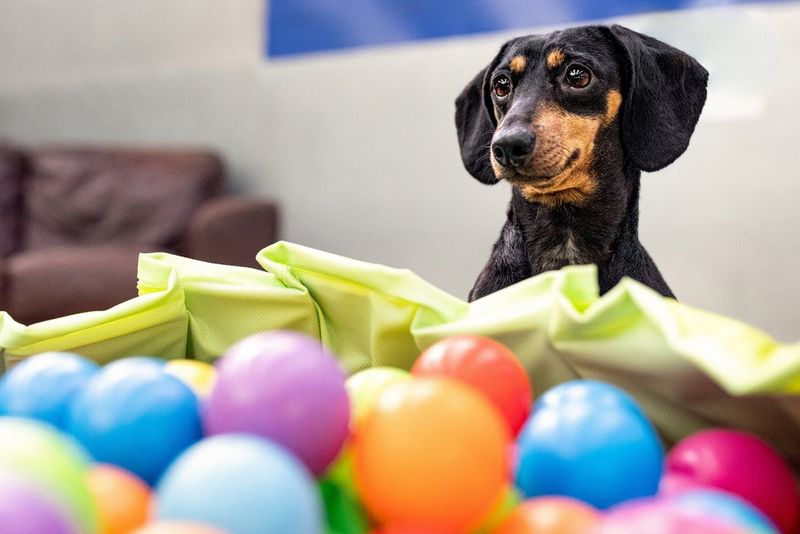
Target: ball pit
{"x":427,"y":452}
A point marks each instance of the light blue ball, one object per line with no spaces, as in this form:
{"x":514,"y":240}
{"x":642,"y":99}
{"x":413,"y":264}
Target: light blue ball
{"x":242,"y":484}
{"x":42,"y":386}
{"x":724,"y":507}
{"x":588,"y":440}
{"x":134,"y":415}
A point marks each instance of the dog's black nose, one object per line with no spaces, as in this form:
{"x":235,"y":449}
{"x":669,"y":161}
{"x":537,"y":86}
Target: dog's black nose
{"x":512,"y":148}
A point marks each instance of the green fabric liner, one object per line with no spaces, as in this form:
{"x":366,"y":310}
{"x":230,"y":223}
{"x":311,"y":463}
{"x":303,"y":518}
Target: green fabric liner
{"x":689,"y":369}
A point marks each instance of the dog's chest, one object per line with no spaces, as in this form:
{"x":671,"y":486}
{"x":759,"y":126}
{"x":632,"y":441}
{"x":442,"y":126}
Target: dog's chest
{"x":555,"y":252}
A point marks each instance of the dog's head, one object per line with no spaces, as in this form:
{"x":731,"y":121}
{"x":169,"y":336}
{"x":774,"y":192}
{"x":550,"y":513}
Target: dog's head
{"x":550,"y":110}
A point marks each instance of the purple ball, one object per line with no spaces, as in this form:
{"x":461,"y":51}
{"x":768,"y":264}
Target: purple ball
{"x":285,"y":387}
{"x":24,"y":510}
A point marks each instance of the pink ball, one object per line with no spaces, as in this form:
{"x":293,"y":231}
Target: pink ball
{"x":741,"y":464}
{"x":658,"y":517}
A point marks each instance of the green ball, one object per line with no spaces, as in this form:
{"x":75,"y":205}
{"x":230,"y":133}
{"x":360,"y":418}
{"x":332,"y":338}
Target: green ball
{"x":51,"y":461}
{"x":366,"y":386}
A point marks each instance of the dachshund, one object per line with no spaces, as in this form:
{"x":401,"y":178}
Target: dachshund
{"x":570,"y":119}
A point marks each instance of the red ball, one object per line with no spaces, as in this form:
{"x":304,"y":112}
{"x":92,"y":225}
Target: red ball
{"x":486,"y":365}
{"x":741,"y":464}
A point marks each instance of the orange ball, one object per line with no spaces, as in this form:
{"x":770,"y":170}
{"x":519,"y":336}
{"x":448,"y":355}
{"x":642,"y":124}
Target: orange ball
{"x":172,"y":527}
{"x":406,"y":529}
{"x":486,"y":365}
{"x":122,"y":499}
{"x":550,"y":515}
{"x":431,"y":453}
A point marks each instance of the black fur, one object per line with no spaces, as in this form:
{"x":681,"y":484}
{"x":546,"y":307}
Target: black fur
{"x":663,"y":91}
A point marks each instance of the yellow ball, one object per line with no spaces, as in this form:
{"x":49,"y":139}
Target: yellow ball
{"x":200,"y":376}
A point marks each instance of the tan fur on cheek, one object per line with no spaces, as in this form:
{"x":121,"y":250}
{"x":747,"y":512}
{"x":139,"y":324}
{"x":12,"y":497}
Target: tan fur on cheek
{"x":613,"y":102}
{"x":555,"y":58}
{"x":518,"y":64}
{"x":559,"y":135}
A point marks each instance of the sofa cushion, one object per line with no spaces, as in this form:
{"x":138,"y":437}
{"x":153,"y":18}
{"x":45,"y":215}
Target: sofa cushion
{"x":91,"y":196}
{"x":11,"y":169}
{"x":53,"y":282}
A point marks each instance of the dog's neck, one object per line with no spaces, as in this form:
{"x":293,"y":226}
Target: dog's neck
{"x":579,"y":234}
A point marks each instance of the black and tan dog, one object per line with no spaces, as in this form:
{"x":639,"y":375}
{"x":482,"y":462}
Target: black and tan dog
{"x":570,"y":120}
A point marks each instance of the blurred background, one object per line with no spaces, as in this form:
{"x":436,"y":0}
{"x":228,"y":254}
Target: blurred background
{"x":342,"y":112}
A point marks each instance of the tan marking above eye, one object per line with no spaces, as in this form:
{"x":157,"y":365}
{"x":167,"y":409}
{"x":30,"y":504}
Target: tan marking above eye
{"x":518,"y":64}
{"x":555,"y":58}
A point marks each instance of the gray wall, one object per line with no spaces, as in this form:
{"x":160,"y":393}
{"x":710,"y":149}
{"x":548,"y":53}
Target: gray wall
{"x":360,"y":146}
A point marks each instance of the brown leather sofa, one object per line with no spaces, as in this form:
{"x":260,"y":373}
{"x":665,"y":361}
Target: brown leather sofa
{"x":73,"y":221}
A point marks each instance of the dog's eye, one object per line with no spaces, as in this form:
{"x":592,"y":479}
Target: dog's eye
{"x":502,"y":86}
{"x":577,"y":76}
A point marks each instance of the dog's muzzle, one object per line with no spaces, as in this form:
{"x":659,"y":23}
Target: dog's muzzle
{"x":511,"y":148}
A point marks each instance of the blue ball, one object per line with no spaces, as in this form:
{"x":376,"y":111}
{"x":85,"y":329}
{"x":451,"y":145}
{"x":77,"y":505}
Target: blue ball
{"x":590,"y":441}
{"x":42,"y":386}
{"x":242,"y":484}
{"x":134,"y":415}
{"x":724,"y":507}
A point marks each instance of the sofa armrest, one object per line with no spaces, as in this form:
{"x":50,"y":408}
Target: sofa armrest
{"x":232,"y":230}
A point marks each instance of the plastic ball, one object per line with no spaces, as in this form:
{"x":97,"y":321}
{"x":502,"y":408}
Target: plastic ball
{"x":656,"y":517}
{"x":341,"y":471}
{"x":590,"y":441}
{"x":725,"y":507}
{"x":550,"y":515}
{"x":285,"y":387}
{"x":366,"y":386}
{"x":53,"y":463}
{"x":200,"y":376}
{"x":431,"y":453}
{"x":413,"y":529}
{"x":242,"y":484}
{"x":122,"y":500}
{"x":741,"y":464}
{"x":486,"y":365}
{"x":178,"y":527}
{"x":26,"y":510}
{"x":363,"y":388}
{"x":503,"y":507}
{"x":133,"y":415}
{"x":672,"y":483}
{"x":42,"y":386}
{"x":342,"y":511}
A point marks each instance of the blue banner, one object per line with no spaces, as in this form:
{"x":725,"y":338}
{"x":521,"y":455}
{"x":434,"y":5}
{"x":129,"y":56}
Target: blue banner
{"x":302,"y":26}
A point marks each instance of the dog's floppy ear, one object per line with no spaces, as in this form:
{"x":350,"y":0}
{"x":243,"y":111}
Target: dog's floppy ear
{"x":475,"y":123}
{"x":665,"y":93}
